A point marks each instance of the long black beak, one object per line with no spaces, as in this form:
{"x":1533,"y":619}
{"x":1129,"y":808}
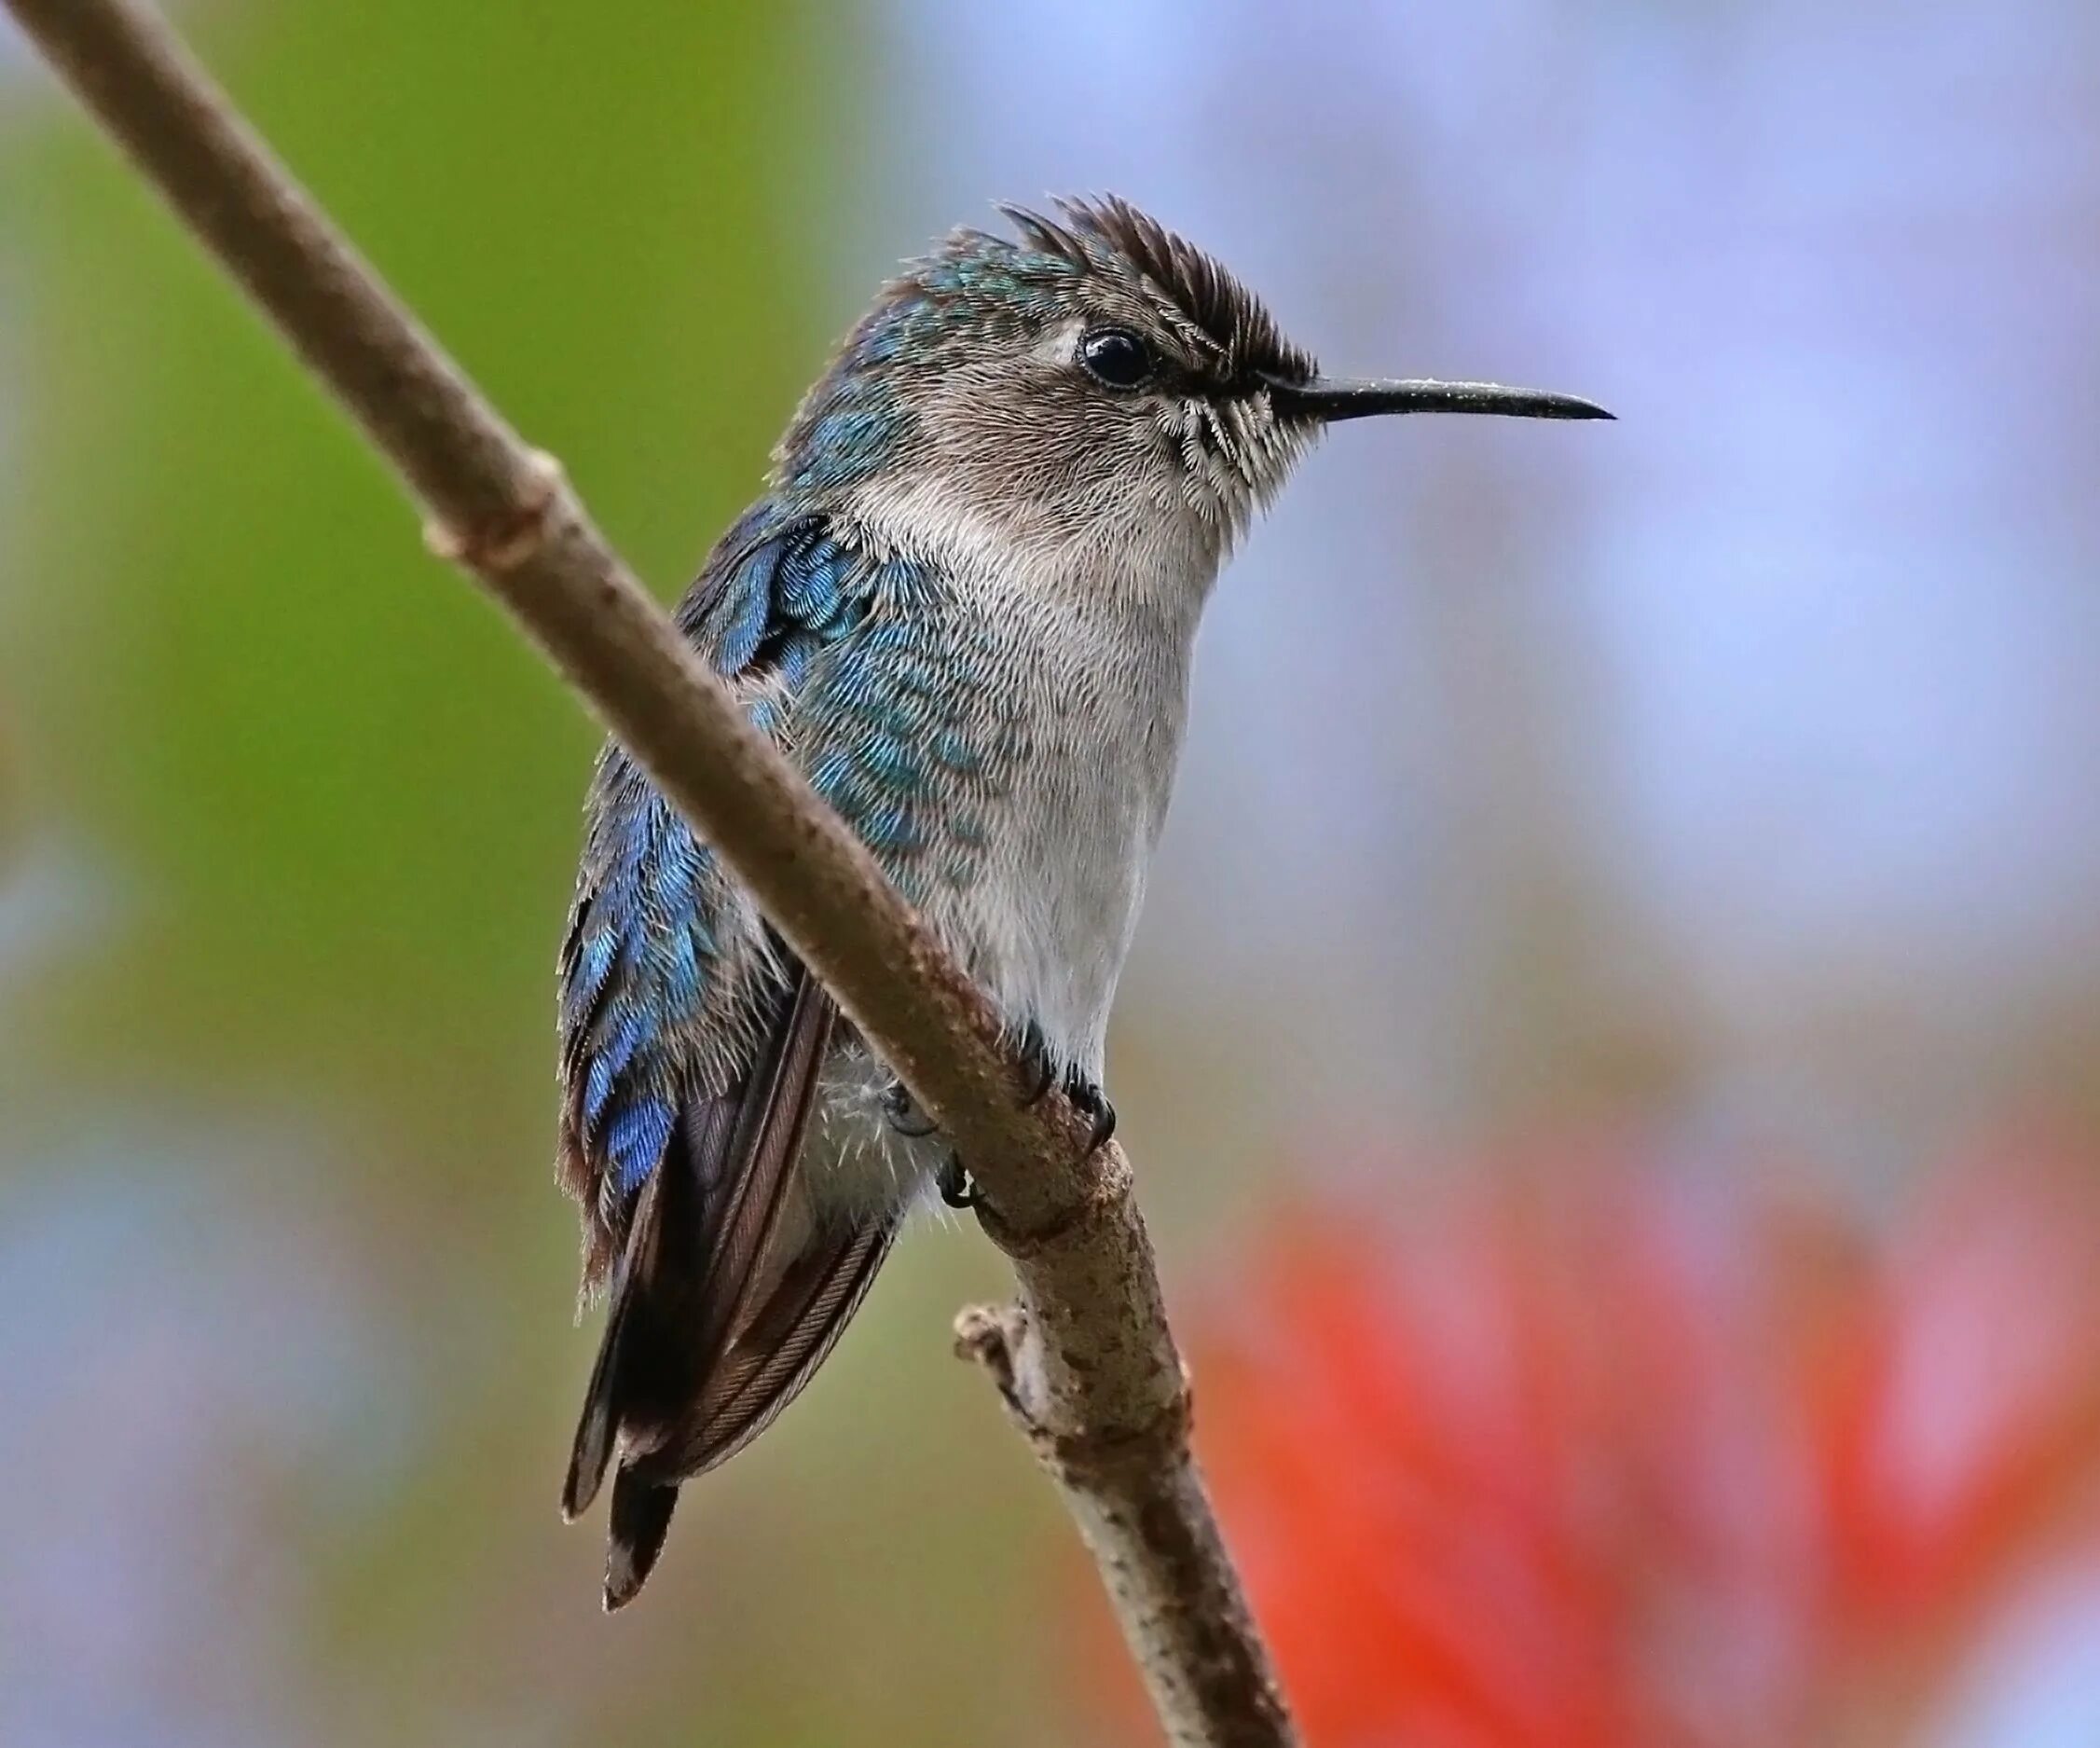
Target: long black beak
{"x":1333,"y":398}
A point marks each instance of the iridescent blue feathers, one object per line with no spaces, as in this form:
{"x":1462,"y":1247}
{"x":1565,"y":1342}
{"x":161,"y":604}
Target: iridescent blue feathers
{"x":649,"y":967}
{"x":664,"y":967}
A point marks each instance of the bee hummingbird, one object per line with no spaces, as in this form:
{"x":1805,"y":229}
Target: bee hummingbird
{"x":964,"y":607}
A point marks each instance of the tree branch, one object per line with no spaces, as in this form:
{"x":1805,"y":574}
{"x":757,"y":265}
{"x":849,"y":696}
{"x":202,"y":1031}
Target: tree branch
{"x":1084,"y":1361}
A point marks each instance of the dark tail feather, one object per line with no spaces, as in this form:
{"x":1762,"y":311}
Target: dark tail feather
{"x":696,"y":1253}
{"x":598,"y":1424}
{"x":629,"y":1374}
{"x":641,"y":1517}
{"x":778,"y":1351}
{"x":592,"y":1450}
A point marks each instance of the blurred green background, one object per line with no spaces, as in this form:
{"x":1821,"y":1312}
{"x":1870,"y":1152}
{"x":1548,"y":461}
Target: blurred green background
{"x":1728,"y":776}
{"x":277,"y":1079}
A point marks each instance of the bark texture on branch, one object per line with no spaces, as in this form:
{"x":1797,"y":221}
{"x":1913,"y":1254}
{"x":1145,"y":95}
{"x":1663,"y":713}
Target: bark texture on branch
{"x":1084,"y":1359}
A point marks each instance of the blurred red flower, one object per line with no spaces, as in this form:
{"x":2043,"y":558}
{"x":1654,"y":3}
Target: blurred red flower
{"x":1598,"y":1454}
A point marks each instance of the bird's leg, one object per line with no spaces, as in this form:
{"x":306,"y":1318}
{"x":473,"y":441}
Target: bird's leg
{"x":952,"y":1180}
{"x":904,"y":1116}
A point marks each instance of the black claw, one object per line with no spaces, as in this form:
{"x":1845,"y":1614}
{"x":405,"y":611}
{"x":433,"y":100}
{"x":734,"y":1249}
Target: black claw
{"x":1035,"y":1053}
{"x":956,"y":1190}
{"x":1088,"y":1100}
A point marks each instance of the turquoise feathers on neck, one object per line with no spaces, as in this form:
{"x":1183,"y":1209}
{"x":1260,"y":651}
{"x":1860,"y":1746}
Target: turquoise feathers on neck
{"x":859,"y":419}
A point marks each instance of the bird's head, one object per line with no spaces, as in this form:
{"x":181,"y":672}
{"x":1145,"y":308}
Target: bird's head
{"x":1095,"y":378}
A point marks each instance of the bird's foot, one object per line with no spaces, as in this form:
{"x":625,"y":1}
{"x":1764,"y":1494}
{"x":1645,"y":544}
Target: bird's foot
{"x":957,"y":1187}
{"x":904,"y":1115}
{"x":1086,"y":1096}
{"x":1088,"y":1100}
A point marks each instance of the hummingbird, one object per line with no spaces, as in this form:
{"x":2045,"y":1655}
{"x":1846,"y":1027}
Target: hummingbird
{"x":964,"y":607}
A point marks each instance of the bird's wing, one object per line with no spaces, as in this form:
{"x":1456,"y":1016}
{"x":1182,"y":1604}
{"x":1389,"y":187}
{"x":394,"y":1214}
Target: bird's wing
{"x":669,"y":980}
{"x":691,"y":1050}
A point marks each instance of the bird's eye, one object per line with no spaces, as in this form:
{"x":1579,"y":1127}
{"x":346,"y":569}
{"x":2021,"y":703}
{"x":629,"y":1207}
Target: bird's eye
{"x":1116,"y":356}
